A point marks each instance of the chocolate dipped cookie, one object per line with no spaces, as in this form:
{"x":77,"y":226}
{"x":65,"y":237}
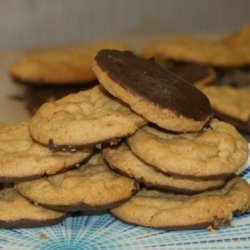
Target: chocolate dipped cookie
{"x":158,"y":95}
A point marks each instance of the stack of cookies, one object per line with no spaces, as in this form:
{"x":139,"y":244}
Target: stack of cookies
{"x":164,"y":161}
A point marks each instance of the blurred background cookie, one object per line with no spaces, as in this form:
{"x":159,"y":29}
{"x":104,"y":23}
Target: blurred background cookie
{"x":49,"y":74}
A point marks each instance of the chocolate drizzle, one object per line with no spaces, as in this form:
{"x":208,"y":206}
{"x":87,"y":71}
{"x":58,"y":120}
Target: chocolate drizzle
{"x":149,"y":81}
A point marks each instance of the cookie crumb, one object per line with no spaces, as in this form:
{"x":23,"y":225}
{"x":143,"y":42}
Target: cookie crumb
{"x":42,"y":236}
{"x":212,"y":230}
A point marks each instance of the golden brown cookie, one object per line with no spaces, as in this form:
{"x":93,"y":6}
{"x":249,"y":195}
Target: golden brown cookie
{"x":36,"y":95}
{"x":17,"y":212}
{"x":21,"y":158}
{"x":157,"y":209}
{"x":240,"y":41}
{"x":158,"y":95}
{"x":193,"y":49}
{"x":124,"y":161}
{"x":65,"y":65}
{"x":218,"y":150}
{"x":83,"y":118}
{"x":230,"y":104}
{"x":90,"y":187}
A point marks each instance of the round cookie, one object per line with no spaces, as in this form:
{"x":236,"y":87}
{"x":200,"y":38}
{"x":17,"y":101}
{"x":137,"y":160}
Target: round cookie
{"x":90,"y":187}
{"x":17,"y":212}
{"x":83,"y":118}
{"x":123,"y":160}
{"x":60,"y":66}
{"x":21,"y":158}
{"x":194,"y":49}
{"x":218,"y":150}
{"x":171,"y":211}
{"x":158,"y":95}
{"x":230,"y":104}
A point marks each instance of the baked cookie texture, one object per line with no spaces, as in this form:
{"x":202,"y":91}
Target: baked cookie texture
{"x":159,"y":96}
{"x":90,"y":187}
{"x":84,"y":118}
{"x":195,"y":49}
{"x":59,"y":66}
{"x":218,"y":150}
{"x":21,"y":158}
{"x":171,"y":211}
{"x":121,"y":159}
{"x":17,"y":212}
{"x":231,"y":102}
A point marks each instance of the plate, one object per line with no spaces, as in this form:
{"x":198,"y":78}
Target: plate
{"x":104,"y":231}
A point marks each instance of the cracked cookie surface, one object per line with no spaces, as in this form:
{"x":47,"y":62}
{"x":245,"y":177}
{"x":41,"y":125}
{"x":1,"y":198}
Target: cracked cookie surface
{"x":84,"y":118}
{"x":218,"y":150}
{"x":171,"y":211}
{"x":90,"y":187}
{"x":22,"y":158}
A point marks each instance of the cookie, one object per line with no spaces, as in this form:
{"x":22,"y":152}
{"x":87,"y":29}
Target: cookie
{"x":63,"y":65}
{"x":21,"y":158}
{"x":124,"y":161}
{"x":240,"y":41}
{"x":18,"y":212}
{"x":194,"y":49}
{"x":83,"y":118}
{"x":36,"y":95}
{"x":171,"y":211}
{"x":158,"y":95}
{"x":231,"y":105}
{"x":90,"y":187}
{"x":218,"y":150}
{"x":194,"y":73}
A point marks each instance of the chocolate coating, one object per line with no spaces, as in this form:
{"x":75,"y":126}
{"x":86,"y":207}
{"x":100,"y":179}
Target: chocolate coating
{"x":28,"y":223}
{"x":189,"y":71}
{"x":149,"y":81}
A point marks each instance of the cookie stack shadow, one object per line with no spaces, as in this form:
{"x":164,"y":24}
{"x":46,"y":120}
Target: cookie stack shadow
{"x":142,"y":145}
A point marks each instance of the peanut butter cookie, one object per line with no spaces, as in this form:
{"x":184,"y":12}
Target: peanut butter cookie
{"x":17,"y":212}
{"x":218,"y":150}
{"x":91,"y":187}
{"x":21,"y":158}
{"x":59,"y":66}
{"x":83,"y":118}
{"x":158,"y":95}
{"x":123,"y":160}
{"x":157,"y":209}
{"x":230,"y":104}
